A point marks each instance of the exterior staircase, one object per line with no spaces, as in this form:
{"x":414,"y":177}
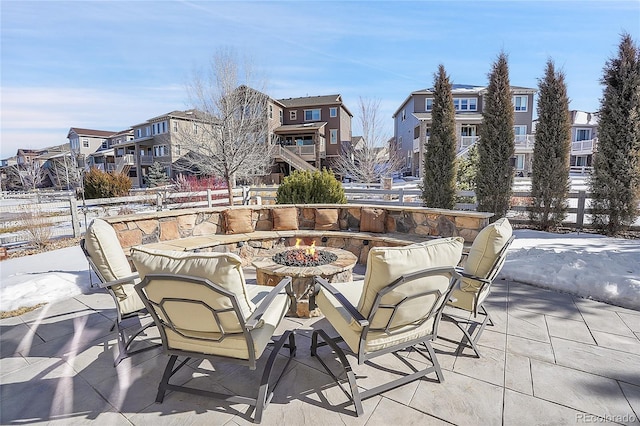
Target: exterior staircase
{"x":124,"y":163}
{"x":294,"y":160}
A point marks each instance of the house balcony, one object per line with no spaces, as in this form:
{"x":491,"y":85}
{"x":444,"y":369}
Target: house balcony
{"x":524,"y":143}
{"x":583,"y":147}
{"x":306,"y":152}
{"x":416,"y":145}
{"x":467,"y":141}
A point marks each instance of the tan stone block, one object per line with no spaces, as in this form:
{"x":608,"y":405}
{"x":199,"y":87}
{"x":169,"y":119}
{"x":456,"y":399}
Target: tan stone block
{"x":132,"y":225}
{"x":390,"y":225}
{"x":355,"y":212}
{"x":308,"y":214}
{"x":148,"y":227}
{"x":335,"y":242}
{"x":214,"y":218}
{"x":186,"y":222}
{"x":423,"y":230}
{"x":467,"y":222}
{"x":130,"y":238}
{"x":169,"y":230}
{"x":419,"y":218}
{"x":264,"y":225}
{"x":468,"y":234}
{"x":205,"y":228}
{"x":119,"y":226}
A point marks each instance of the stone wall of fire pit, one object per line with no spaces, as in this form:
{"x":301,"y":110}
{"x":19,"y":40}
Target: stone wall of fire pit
{"x":202,"y":229}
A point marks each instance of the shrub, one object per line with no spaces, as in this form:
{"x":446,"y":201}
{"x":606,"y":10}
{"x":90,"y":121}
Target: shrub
{"x":37,"y":226}
{"x":306,"y":187}
{"x":99,"y":184}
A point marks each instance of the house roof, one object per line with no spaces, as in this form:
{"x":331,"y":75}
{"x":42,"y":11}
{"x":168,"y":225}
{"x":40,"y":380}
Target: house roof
{"x":463,"y":89}
{"x":309,"y":101}
{"x":91,"y":132}
{"x":297,"y":128}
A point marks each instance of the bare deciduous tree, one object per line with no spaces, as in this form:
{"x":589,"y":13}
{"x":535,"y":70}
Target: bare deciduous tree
{"x":370,"y":158}
{"x":230,"y":136}
{"x":25,"y":176}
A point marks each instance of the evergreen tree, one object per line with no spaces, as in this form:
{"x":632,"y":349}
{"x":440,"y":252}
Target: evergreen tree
{"x":157,"y":175}
{"x":615,"y":183}
{"x":550,"y":180}
{"x":439,"y":182}
{"x":496,"y":143}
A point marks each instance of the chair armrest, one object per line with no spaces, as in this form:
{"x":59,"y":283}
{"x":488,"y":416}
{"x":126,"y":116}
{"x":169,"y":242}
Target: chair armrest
{"x":473,"y":277}
{"x":357,"y":316}
{"x":254,"y":319}
{"x":125,"y":280}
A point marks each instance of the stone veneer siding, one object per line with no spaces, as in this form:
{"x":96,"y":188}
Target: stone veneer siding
{"x":414,"y":223}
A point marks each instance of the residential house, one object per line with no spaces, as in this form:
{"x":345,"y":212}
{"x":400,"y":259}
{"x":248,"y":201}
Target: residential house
{"x":412,"y":124}
{"x":313,"y":129}
{"x":84,"y":142}
{"x":584,"y":141}
{"x":105,"y":158}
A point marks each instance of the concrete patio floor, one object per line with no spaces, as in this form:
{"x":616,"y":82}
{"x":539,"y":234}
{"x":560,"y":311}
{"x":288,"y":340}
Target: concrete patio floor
{"x":550,"y":358}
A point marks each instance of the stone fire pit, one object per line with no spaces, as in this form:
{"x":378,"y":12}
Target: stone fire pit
{"x":268,"y":272}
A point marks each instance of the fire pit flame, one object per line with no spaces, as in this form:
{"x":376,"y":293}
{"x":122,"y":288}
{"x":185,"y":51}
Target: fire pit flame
{"x":304,"y":256}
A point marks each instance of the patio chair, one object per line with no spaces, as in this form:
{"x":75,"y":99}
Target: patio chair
{"x":480,"y":267}
{"x":204,"y":310}
{"x":396,"y":307}
{"x":107,"y":259}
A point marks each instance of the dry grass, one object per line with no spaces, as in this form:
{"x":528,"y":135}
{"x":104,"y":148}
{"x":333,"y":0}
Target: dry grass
{"x":19,"y":311}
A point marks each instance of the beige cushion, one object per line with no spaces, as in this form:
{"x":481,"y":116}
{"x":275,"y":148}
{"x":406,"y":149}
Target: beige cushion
{"x":327,"y":220}
{"x":101,"y":242}
{"x":341,"y":321}
{"x":196,"y":325}
{"x":223,"y":269}
{"x":285,"y":219}
{"x":484,"y":251}
{"x":465,"y":299}
{"x":372,"y":220}
{"x":237,"y":221}
{"x":385,"y":264}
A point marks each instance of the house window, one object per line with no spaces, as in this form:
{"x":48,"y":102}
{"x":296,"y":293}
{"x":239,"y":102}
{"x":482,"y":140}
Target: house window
{"x":465,"y":104}
{"x":164,"y":127}
{"x":175,"y":126}
{"x":270,"y":112}
{"x":281,"y":117}
{"x":85,"y":143}
{"x":333,"y":112}
{"x":428,"y":104}
{"x":404,"y":114}
{"x":147,"y":131}
{"x":195,"y":128}
{"x":311,"y":114}
{"x":583,"y":134}
{"x":177,"y":149}
{"x":520,"y":103}
{"x":333,"y":136}
{"x":519,"y":163}
{"x":105,"y":145}
{"x":138,"y":133}
{"x":293,"y":115}
{"x":160,"y":151}
{"x":416,"y":132}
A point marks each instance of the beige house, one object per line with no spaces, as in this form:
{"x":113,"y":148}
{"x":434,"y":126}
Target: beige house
{"x":584,"y":141}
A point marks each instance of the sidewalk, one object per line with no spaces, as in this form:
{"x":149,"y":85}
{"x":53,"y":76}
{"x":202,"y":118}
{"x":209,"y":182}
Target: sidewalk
{"x":550,"y":358}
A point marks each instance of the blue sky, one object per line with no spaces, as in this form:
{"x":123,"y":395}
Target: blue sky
{"x":110,"y":65}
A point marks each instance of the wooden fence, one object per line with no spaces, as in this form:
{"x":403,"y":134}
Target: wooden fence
{"x":67,"y":216}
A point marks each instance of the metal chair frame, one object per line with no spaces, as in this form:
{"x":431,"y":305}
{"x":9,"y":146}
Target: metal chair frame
{"x":469,"y":332}
{"x":124,"y":341}
{"x":266,"y":386}
{"x":354,"y":394}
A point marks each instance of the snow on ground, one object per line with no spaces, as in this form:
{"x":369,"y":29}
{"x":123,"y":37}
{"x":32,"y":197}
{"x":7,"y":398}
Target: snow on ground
{"x":587,"y":265}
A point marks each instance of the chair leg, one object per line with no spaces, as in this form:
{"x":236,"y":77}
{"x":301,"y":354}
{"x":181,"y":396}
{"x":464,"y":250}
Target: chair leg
{"x":124,"y":343}
{"x":168,"y":371}
{"x":470,"y":334}
{"x":355,"y":396}
{"x":264,"y":393}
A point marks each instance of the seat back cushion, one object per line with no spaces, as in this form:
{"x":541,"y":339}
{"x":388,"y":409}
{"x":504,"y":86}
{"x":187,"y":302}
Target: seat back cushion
{"x":386,"y":264}
{"x":372,"y":220}
{"x":223,"y":269}
{"x":484,"y":252}
{"x":237,"y":221}
{"x":326,"y":220}
{"x":103,"y":246}
{"x":285,"y":218}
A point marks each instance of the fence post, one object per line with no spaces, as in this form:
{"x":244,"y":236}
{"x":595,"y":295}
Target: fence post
{"x":245,"y":195}
{"x":401,"y":196}
{"x":580,"y":211}
{"x":158,"y":201}
{"x":209,"y":198}
{"x":75,"y":222}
